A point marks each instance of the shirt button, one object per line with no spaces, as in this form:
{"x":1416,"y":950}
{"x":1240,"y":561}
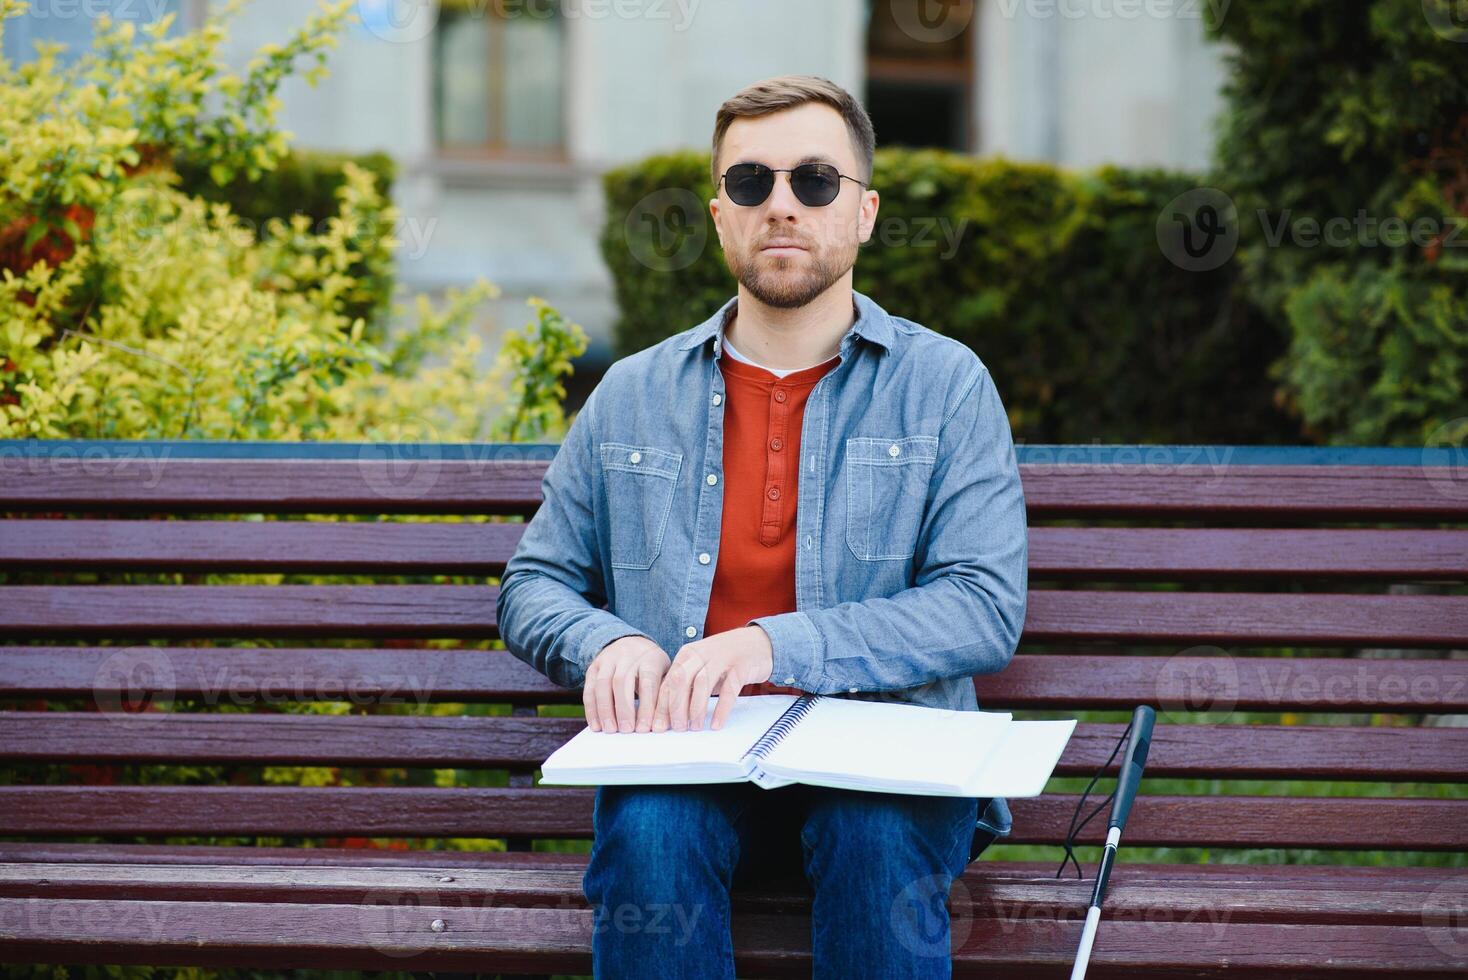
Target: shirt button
{"x":851,"y":690}
{"x":892,"y":450}
{"x":635,"y":457}
{"x":789,"y":680}
{"x":779,"y":394}
{"x":703,"y":559}
{"x":777,"y":444}
{"x":773,"y":493}
{"x":718,"y":398}
{"x":712,"y":479}
{"x":690,"y":631}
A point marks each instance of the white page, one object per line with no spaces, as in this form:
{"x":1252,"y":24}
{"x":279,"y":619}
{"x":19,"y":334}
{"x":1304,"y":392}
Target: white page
{"x":887,"y":745}
{"x":706,"y":755}
{"x":1024,"y":760}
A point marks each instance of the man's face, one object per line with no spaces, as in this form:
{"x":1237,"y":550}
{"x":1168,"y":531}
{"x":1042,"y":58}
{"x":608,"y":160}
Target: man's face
{"x":785,"y":253}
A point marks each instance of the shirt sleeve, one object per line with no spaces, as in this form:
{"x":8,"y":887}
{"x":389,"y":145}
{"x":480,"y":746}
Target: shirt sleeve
{"x":552,"y":587}
{"x":966,"y":609}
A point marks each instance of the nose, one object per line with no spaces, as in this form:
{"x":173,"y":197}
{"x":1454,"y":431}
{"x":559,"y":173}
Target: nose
{"x":782,"y":202}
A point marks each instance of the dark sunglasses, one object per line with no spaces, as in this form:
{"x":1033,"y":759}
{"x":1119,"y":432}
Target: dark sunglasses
{"x":815,"y":184}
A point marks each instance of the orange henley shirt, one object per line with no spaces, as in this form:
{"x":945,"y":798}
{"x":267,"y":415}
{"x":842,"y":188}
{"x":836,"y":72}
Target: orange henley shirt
{"x":755,"y":574}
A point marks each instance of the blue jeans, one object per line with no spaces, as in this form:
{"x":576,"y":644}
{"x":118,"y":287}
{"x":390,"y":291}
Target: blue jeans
{"x":877,"y":865}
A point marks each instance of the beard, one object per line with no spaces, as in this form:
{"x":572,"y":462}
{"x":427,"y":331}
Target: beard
{"x":786,"y":282}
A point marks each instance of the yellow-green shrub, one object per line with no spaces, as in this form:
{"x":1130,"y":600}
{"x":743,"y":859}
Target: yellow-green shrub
{"x":130,"y":309}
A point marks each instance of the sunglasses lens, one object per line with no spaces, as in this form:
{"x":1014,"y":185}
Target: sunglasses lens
{"x":815,"y":184}
{"x":748,"y":183}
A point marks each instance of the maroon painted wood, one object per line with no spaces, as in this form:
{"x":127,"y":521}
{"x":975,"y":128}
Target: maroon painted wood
{"x":1407,"y":754}
{"x":161,"y":611}
{"x":387,"y":935}
{"x":1219,"y":682}
{"x":279,"y":675}
{"x":292,"y":907}
{"x":482,"y":548}
{"x":1317,"y":895}
{"x":377,"y":485}
{"x":1408,"y":823}
{"x":342,"y":547}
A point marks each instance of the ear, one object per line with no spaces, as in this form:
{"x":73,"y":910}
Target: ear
{"x":714,"y":214}
{"x":866,"y":215}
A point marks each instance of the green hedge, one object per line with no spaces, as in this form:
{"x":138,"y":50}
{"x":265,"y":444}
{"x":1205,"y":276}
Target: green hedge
{"x":1356,"y":113}
{"x":1055,"y":279}
{"x":304,"y":182}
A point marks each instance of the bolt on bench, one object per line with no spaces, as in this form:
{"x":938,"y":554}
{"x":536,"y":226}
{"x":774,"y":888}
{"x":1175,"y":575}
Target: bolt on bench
{"x":1175,"y":576}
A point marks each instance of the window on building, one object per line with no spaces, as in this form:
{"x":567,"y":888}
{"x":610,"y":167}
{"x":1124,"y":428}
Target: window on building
{"x":920,"y":72}
{"x":499,"y":79}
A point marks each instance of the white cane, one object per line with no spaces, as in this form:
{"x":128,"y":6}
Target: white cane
{"x":1127,"y":781}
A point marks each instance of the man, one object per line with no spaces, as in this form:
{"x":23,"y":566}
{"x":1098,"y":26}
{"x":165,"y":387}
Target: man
{"x":803,"y":493}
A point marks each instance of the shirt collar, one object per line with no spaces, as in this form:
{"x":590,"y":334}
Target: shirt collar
{"x":872,"y":323}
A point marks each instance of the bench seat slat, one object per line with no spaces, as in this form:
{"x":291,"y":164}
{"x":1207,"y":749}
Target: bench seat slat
{"x":1032,"y":680}
{"x":1165,"y":821}
{"x":476,"y":548}
{"x":1328,"y":895}
{"x":1305,"y":877}
{"x":377,"y":936}
{"x":1223,"y":751}
{"x":1328,"y":619}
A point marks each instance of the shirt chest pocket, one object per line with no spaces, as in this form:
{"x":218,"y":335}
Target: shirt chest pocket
{"x":886,"y":493}
{"x":640,"y":481}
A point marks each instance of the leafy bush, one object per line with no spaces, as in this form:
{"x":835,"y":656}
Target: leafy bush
{"x":1055,"y":279}
{"x":305,"y":182}
{"x":130,"y":308}
{"x":1345,"y":151}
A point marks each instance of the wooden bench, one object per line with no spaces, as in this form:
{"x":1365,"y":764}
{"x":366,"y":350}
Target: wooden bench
{"x":1158,"y":575}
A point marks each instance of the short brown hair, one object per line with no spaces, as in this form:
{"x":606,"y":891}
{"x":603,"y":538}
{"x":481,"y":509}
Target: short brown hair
{"x":787,"y":92}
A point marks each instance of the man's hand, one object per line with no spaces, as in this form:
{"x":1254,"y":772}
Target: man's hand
{"x":722,"y":664}
{"x":632,"y":666}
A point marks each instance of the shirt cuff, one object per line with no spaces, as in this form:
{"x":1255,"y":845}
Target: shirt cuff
{"x":799,"y":653}
{"x":603,"y":633}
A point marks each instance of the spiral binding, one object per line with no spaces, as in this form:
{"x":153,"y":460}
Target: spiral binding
{"x":782,"y":726}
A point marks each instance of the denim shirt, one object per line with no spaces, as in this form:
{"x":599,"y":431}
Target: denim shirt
{"x":911,"y":568}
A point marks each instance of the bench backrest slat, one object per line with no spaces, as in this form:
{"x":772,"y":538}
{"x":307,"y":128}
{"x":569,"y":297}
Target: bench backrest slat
{"x":1205,"y":751}
{"x":473,"y":548}
{"x":1323,"y":619}
{"x":280,"y":675}
{"x":1156,"y":820}
{"x":409,"y":483}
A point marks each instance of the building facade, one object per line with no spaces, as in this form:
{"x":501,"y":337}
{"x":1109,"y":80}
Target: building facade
{"x":503,"y":114}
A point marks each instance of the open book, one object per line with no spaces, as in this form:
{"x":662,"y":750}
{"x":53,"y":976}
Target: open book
{"x":778,"y":739}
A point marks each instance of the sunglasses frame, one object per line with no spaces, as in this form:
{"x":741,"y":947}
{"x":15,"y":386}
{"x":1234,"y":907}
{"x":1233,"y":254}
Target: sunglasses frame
{"x":723,"y":179}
